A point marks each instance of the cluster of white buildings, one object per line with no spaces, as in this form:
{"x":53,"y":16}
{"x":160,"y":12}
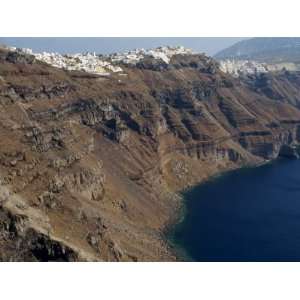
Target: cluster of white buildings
{"x":238,"y":67}
{"x":88,"y":62}
{"x":112,"y":63}
{"x":103,"y":64}
{"x":163,"y":53}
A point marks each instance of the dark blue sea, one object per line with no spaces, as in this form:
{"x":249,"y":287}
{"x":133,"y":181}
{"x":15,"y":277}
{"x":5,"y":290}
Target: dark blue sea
{"x":246,"y":215}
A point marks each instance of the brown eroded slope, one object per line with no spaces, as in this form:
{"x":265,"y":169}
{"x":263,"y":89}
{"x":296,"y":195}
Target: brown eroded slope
{"x":90,"y":165}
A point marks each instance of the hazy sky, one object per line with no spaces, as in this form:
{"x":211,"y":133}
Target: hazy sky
{"x":109,"y":45}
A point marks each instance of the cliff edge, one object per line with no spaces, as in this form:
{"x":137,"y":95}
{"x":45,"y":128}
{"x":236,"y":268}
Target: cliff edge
{"x":90,"y":165}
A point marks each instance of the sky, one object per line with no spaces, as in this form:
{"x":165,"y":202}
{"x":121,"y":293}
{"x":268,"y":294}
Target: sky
{"x":105,"y":45}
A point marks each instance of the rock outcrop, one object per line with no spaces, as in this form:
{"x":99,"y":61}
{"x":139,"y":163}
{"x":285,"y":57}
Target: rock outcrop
{"x":90,"y":166}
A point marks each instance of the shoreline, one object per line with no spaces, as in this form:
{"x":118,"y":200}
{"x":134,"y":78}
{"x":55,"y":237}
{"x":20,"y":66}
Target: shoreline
{"x":179,"y":212}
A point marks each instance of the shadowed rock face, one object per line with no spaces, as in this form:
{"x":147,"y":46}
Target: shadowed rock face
{"x":90,"y":166}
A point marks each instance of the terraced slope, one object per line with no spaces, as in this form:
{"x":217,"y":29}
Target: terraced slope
{"x":90,"y":165}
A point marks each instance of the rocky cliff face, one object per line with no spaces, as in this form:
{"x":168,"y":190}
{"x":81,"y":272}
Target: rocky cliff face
{"x":90,"y":165}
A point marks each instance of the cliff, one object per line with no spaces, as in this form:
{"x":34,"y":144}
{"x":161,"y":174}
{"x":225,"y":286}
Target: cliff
{"x":90,"y":165}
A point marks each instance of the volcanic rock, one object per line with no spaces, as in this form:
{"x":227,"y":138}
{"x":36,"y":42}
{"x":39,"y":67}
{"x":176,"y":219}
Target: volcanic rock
{"x":90,"y":167}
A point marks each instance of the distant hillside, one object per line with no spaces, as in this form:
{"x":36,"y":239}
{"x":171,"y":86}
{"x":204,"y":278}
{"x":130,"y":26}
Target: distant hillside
{"x":270,"y":50}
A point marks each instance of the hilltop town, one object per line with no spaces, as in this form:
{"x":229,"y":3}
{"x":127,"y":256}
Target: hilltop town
{"x":103,"y":64}
{"x":238,"y":67}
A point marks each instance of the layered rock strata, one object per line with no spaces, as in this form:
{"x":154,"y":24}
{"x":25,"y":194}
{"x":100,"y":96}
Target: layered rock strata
{"x":90,"y":166}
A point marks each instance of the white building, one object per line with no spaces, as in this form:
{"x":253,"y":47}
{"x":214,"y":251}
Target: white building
{"x":104,"y":65}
